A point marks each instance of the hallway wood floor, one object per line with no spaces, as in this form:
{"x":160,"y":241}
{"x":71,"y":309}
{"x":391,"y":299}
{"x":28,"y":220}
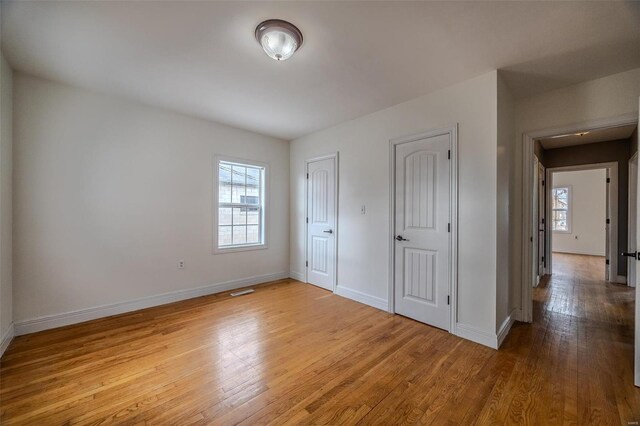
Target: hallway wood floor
{"x":293,"y":353}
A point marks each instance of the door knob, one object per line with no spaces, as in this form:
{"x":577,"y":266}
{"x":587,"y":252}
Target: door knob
{"x":330,"y":231}
{"x":634,"y":254}
{"x":399,"y":238}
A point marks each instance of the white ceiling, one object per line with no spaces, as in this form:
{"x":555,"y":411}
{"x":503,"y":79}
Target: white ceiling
{"x":200,"y":58}
{"x":594,"y":136}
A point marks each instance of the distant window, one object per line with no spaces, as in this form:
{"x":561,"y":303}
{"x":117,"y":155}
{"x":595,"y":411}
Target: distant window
{"x":240,"y":210}
{"x":560,"y":209}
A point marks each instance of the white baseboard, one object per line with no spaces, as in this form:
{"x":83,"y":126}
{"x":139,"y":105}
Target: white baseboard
{"x":584,"y":253}
{"x":6,"y":339}
{"x":504,"y":329}
{"x":358,"y":296}
{"x":621,"y":279}
{"x":296,"y":276}
{"x":67,"y":318}
{"x":477,"y":335}
{"x":516,"y":315}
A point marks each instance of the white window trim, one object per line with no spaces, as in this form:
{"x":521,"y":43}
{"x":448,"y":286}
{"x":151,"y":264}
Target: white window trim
{"x":265,"y":215}
{"x":569,"y":210}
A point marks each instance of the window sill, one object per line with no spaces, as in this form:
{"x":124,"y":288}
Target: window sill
{"x":236,"y":249}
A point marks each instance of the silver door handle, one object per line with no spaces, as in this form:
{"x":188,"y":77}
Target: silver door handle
{"x":330,"y":231}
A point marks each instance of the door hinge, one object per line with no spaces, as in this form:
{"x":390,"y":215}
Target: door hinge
{"x":448,"y":227}
{"x":543,"y":259}
{"x":307,"y":220}
{"x":448,"y":300}
{"x":607,"y":261}
{"x":543,"y":220}
{"x":608,"y":221}
{"x":449,"y":154}
{"x":542,"y":183}
{"x":608,"y":180}
{"x":307,"y":175}
{"x":306,"y":263}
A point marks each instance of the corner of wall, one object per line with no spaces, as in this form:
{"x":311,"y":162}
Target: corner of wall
{"x":6,"y":206}
{"x":6,"y":339}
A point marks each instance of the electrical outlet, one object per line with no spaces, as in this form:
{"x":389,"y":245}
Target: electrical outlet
{"x":180,"y":264}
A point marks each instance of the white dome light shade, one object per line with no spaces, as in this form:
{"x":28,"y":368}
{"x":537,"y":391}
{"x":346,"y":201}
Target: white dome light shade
{"x":279,"y":39}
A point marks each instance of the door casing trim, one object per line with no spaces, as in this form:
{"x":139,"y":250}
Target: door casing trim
{"x":335,"y":156}
{"x":452,"y":131}
{"x":612,"y":213}
{"x":632,"y":187}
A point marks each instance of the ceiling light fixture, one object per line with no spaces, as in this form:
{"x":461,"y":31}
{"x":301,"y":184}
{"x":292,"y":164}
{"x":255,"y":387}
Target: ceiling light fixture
{"x":279,"y":39}
{"x":569,"y":134}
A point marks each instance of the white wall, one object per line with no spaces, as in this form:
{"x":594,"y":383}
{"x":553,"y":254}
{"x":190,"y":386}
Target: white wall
{"x":610,"y":96}
{"x":506,"y":135}
{"x":6,"y":163}
{"x":363,"y":240}
{"x":588,"y":207}
{"x":109,"y":195}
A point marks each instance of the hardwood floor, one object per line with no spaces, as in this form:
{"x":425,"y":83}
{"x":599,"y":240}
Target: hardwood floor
{"x":293,"y":353}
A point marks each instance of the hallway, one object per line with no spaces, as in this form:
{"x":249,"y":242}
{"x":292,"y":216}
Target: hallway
{"x":581,"y":345}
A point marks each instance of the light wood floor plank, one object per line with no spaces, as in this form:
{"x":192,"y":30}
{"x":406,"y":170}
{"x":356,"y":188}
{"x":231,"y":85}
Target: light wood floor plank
{"x":292,"y":353}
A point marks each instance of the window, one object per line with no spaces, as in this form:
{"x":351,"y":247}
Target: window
{"x":560,"y":199}
{"x":240,"y":210}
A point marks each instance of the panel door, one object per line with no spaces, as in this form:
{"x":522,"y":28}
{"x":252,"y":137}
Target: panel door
{"x":422,"y":244}
{"x":321,"y":227}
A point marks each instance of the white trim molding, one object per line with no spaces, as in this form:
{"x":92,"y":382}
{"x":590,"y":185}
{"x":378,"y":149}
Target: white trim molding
{"x":584,"y":253}
{"x":504,"y":329}
{"x":358,"y":296}
{"x":6,"y":339}
{"x":484,"y":337}
{"x":67,"y":318}
{"x":299,"y":276}
{"x":611,"y":252}
{"x":477,"y":335}
{"x":264,"y":194}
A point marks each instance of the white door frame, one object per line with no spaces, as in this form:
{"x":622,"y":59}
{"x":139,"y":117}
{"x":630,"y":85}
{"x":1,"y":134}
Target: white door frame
{"x":335,"y":157}
{"x":545,"y":214}
{"x":452,"y":131}
{"x":633,"y":210}
{"x":528,"y":140}
{"x":612,"y":214}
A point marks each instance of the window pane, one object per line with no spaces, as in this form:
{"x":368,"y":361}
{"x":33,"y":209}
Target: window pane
{"x":560,"y":225}
{"x":560,"y":215}
{"x":253,"y":185}
{"x":224,"y":216}
{"x":239,"y":216}
{"x":253,"y":216}
{"x":224,"y":236}
{"x":238,"y":176}
{"x":244,"y":185}
{"x":224,"y":183}
{"x":239,"y":234}
{"x":253,"y":234}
